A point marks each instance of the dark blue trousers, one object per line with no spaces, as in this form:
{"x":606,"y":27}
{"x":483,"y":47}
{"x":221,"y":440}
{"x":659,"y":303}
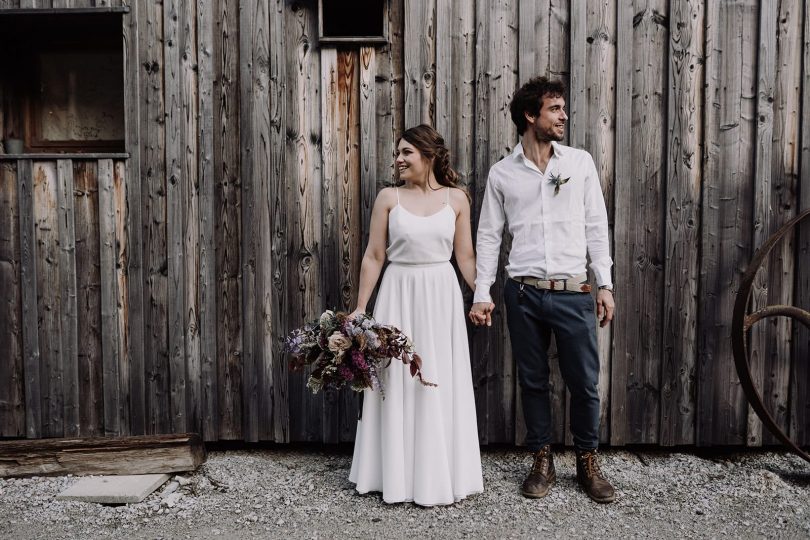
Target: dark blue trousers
{"x":532,"y":315}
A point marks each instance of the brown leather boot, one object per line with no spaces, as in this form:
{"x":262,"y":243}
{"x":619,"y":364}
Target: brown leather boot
{"x":542,"y":475}
{"x":590,"y":477}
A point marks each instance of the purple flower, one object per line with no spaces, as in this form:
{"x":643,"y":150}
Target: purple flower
{"x":346,"y":373}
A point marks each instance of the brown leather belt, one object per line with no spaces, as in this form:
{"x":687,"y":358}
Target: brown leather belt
{"x":573,"y":284}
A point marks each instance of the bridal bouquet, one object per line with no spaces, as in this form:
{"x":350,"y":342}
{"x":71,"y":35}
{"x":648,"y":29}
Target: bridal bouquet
{"x":349,"y":351}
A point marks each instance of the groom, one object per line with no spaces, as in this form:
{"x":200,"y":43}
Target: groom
{"x":551,"y":199}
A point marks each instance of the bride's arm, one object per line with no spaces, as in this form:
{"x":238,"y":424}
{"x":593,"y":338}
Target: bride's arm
{"x":462,"y":242}
{"x":374,"y":257}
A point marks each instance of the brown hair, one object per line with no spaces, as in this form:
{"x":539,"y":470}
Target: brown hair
{"x":529,"y":97}
{"x":431,"y":145}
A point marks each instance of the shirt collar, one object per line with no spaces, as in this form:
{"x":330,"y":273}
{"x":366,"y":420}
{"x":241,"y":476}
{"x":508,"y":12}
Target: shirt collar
{"x":518,"y":153}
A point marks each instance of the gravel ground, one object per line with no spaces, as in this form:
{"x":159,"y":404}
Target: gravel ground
{"x":283,"y":492}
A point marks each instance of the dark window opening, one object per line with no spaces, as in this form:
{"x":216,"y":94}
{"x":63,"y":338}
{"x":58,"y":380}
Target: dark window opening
{"x":62,"y":82}
{"x":356,"y":21}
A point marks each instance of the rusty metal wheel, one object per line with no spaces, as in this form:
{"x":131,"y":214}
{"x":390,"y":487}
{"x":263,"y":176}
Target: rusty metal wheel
{"x":743,"y":322}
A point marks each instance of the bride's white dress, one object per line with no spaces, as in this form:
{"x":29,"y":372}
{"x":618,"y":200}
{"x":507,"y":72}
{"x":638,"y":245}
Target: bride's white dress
{"x":420,"y":443}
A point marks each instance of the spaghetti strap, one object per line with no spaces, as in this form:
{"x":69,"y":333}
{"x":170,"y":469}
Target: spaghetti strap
{"x":397,"y":188}
{"x":447,"y":197}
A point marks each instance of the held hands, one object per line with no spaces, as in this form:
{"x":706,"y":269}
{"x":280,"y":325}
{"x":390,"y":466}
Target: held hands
{"x":481,"y":313}
{"x":356,"y":312}
{"x":604,"y":307}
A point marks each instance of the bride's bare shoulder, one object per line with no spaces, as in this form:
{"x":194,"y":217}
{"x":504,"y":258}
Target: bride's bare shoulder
{"x":387,"y":197}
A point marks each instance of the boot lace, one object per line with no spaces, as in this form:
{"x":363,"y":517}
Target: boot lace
{"x":591,"y":465}
{"x":541,"y":461}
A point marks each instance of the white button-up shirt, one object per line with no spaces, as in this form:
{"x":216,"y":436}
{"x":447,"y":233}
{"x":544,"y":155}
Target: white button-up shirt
{"x":551,"y":234}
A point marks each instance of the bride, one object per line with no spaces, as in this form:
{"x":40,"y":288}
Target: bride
{"x":420,"y":443}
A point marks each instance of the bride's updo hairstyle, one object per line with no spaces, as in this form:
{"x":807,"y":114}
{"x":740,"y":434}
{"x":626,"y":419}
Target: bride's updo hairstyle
{"x":431,"y":145}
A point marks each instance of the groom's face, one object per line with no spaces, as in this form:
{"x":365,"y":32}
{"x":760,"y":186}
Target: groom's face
{"x":549,"y":125}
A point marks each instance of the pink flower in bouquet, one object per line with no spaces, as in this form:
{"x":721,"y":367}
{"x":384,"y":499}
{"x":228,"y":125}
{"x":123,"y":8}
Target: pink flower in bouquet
{"x":339,"y":343}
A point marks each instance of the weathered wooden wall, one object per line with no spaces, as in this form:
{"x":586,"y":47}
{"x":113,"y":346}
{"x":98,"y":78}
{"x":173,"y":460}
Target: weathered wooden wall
{"x":150,"y":293}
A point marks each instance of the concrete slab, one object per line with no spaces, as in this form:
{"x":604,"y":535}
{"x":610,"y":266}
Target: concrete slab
{"x":117,"y":489}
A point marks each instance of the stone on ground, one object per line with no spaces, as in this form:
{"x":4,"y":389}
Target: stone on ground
{"x":118,"y":489}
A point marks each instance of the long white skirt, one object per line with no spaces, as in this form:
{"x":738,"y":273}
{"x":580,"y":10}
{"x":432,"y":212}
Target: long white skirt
{"x":420,"y":443}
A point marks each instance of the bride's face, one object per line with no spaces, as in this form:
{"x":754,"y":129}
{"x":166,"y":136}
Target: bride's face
{"x":410,"y":163}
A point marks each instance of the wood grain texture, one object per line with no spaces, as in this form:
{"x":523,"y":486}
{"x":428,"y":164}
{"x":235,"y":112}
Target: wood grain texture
{"x":12,"y":374}
{"x":274,"y":405}
{"x":624,"y":93}
{"x":88,"y":286}
{"x":48,"y":297}
{"x":800,"y":376}
{"x":784,"y":203}
{"x":152,"y":141}
{"x":111,"y":352}
{"x":228,"y":231}
{"x":727,"y":205}
{"x":134,"y":226}
{"x":420,"y":62}
{"x":683,"y":200}
{"x":82,"y":456}
{"x":28,"y":282}
{"x":68,"y":310}
{"x":304,"y":207}
{"x":176,"y":211}
{"x":763,"y":211}
{"x":207,"y":404}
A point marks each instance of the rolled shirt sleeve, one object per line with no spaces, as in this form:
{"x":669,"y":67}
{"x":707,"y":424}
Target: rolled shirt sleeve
{"x":596,"y":227}
{"x":488,"y":245}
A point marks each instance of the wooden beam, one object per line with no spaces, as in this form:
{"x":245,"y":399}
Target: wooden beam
{"x":146,"y":454}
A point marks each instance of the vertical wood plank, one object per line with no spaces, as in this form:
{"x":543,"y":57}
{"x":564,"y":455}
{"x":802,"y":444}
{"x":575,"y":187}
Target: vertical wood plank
{"x":176,"y":211}
{"x":152,"y":148}
{"x":190,"y":117}
{"x":228,"y":226}
{"x":639,"y":250}
{"x":763,"y":212}
{"x":624,"y":93}
{"x":800,"y":379}
{"x":274,"y":407}
{"x":727,"y":206}
{"x":250,"y":14}
{"x":368,"y":138}
{"x":111,"y":357}
{"x":88,"y":285}
{"x":134,"y":208}
{"x":255,"y":115}
{"x":600,"y":134}
{"x":48,"y":297}
{"x":311,"y":423}
{"x":28,"y":280}
{"x":684,"y":182}
{"x":208,"y":381}
{"x":577,"y":107}
{"x":420,"y":62}
{"x":784,"y":202}
{"x":120,"y":183}
{"x":349,"y":208}
{"x":12,"y":374}
{"x":304,"y":221}
{"x":67,"y":288}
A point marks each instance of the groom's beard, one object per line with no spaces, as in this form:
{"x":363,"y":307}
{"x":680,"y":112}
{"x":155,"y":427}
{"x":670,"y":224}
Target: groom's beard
{"x":549,"y":135}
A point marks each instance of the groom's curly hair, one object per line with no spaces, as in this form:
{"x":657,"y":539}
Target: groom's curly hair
{"x":529,"y":98}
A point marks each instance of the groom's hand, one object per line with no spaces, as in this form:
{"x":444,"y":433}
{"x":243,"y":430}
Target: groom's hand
{"x":604,"y":307}
{"x":481,"y":313}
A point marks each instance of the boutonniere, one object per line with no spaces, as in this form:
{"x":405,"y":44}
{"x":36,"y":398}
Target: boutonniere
{"x":557,"y":180}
